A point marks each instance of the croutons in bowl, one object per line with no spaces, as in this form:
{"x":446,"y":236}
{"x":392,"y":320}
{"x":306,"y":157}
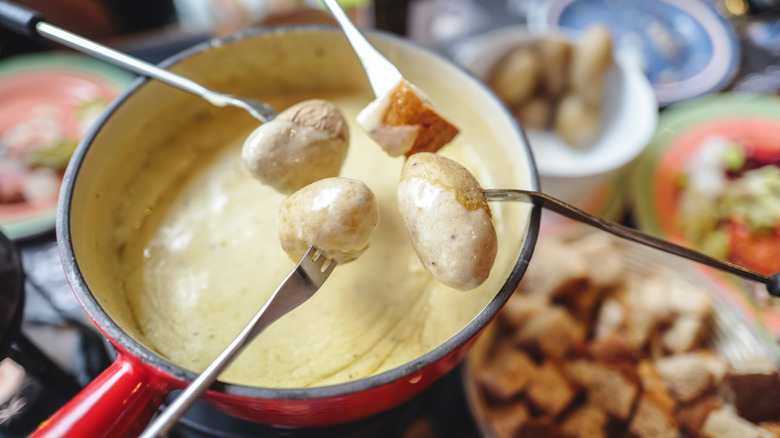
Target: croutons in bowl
{"x":604,"y":338}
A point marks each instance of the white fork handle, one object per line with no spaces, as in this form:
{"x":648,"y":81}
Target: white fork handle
{"x":382,"y":74}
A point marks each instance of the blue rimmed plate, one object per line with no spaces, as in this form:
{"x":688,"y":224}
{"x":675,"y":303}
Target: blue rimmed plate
{"x":684,"y":47}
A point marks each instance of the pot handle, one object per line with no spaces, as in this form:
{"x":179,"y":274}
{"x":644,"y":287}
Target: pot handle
{"x":119,"y":402}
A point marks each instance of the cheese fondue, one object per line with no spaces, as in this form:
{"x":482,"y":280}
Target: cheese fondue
{"x":214,"y":258}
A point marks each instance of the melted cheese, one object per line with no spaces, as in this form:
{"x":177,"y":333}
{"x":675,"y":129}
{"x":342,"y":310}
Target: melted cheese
{"x":215,"y":258}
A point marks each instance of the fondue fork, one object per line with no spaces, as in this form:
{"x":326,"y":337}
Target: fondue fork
{"x":300,"y":285}
{"x":772,"y":282}
{"x":32,"y":24}
{"x":382,"y":74}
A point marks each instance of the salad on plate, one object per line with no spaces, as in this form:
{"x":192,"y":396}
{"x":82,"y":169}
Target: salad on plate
{"x":728,"y":202}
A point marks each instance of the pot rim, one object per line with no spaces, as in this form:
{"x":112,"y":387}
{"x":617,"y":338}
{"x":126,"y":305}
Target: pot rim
{"x":114,"y":332}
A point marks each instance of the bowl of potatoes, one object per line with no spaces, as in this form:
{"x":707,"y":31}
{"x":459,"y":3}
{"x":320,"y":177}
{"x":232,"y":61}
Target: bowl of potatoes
{"x":586,"y":111}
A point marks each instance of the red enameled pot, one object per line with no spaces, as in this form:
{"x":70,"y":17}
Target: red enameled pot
{"x":109,"y":171}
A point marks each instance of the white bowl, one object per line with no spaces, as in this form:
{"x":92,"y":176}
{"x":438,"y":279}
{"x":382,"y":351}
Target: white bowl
{"x":630,"y":110}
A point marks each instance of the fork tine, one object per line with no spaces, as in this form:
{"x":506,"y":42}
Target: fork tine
{"x":317,"y":265}
{"x":330,"y":265}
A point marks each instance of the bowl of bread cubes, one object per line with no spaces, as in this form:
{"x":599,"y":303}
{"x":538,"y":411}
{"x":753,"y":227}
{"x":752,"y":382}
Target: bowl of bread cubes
{"x":603,"y":338}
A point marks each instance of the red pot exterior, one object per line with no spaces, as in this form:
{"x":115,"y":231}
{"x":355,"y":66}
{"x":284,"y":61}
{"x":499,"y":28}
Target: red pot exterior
{"x":123,"y":399}
{"x":317,"y":412}
{"x":118,"y":403}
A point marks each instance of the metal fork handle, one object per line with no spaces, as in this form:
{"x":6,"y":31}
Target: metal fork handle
{"x":31,"y":23}
{"x":298,"y":287}
{"x":382,"y":74}
{"x":772,"y":282}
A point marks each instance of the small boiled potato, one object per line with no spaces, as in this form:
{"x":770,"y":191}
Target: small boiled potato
{"x":555,"y":57}
{"x":305,"y":143}
{"x":591,"y":61}
{"x":318,"y":114}
{"x":515,"y":77}
{"x":448,"y":219}
{"x":594,"y":94}
{"x":577,"y":123}
{"x":336,"y":215}
{"x":535,"y":114}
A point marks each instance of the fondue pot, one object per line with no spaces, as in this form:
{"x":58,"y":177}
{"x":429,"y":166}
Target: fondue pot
{"x":127,"y":161}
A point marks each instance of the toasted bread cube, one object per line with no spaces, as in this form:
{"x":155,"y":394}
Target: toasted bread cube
{"x":613,"y":348}
{"x":756,"y":395}
{"x":693,"y":308}
{"x":588,"y":421}
{"x":772,"y":427}
{"x":507,"y":420}
{"x":692,"y":417}
{"x":602,"y":257}
{"x":520,"y":308}
{"x":541,"y":427}
{"x":585,"y":303}
{"x":654,"y":386}
{"x":685,"y":334}
{"x":647,"y":308}
{"x":725,"y":423}
{"x":606,"y":386}
{"x":689,"y":375}
{"x":514,"y":421}
{"x":404,"y":122}
{"x":507,"y":374}
{"x":652,"y":421}
{"x":554,"y":271}
{"x":553,"y":332}
{"x":549,"y":391}
{"x":611,"y":317}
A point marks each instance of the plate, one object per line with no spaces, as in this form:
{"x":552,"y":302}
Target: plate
{"x":685,"y":48}
{"x":47,"y":102}
{"x":629,"y":106}
{"x":682,"y":129}
{"x":750,"y":122}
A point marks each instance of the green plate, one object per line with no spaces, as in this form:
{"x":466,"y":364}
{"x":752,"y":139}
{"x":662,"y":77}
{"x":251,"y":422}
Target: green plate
{"x":745,"y":118}
{"x":674,"y":141}
{"x":43,"y":100}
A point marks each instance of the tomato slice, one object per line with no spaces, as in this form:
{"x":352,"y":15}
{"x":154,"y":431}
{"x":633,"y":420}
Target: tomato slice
{"x":760,"y":252}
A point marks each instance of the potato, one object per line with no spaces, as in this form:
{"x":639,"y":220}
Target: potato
{"x":535,"y":113}
{"x":336,"y":215}
{"x":591,"y":61}
{"x":577,"y":123}
{"x":305,"y":143}
{"x":515,"y":77}
{"x":448,"y":219}
{"x":554,"y":57}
